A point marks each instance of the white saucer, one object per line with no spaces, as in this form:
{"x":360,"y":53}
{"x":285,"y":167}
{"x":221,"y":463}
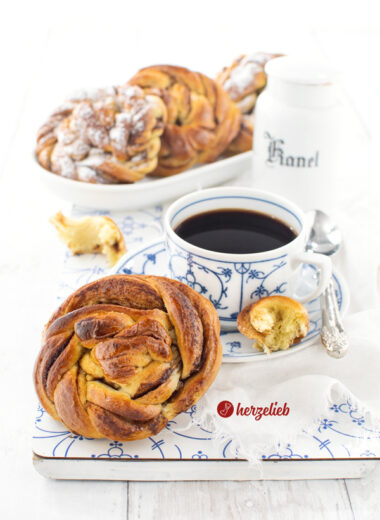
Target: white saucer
{"x":153,"y":259}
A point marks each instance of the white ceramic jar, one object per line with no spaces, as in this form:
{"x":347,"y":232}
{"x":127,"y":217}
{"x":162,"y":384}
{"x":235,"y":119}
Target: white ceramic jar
{"x":296,"y":135}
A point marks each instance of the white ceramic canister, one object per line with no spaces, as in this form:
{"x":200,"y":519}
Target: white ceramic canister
{"x":296,"y":135}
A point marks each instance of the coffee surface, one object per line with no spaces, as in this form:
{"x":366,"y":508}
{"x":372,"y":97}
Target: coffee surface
{"x":235,"y":231}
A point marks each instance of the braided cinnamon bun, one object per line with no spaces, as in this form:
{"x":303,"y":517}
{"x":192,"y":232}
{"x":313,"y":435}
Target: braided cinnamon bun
{"x":202,"y":120}
{"x":244,"y":79}
{"x":125,"y":354}
{"x":106,"y":136}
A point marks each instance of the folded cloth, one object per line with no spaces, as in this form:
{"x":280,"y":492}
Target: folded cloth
{"x":308,"y":382}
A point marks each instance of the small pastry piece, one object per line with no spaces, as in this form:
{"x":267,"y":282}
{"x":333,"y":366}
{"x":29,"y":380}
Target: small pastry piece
{"x":97,"y":234}
{"x":125,"y":354}
{"x":275,"y":322}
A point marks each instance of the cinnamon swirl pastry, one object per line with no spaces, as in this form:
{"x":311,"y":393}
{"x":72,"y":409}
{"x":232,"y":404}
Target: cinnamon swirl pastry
{"x":202,"y":120}
{"x":104,"y":136}
{"x":125,"y":354}
{"x":244,"y":79}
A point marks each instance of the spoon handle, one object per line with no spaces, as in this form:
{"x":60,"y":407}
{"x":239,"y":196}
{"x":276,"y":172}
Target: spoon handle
{"x":333,"y":335}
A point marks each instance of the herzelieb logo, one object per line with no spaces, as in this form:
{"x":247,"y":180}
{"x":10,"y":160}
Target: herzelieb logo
{"x":225,"y":409}
{"x":278,"y":157}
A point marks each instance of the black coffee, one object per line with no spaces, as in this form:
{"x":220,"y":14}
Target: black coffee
{"x":235,"y":231}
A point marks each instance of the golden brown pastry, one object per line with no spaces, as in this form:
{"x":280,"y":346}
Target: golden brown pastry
{"x":202,"y":120}
{"x":105,"y":136}
{"x":125,"y":354}
{"x":274,"y":322}
{"x":97,"y":234}
{"x":244,"y":79}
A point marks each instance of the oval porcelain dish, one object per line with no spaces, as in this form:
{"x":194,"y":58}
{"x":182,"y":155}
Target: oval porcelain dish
{"x":147,"y":192}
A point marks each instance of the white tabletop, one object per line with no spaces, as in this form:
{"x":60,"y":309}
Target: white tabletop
{"x":49,"y":49}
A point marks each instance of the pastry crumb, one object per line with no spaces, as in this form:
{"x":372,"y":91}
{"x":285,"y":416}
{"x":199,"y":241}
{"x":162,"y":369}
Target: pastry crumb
{"x":97,"y":234}
{"x":274,"y":322}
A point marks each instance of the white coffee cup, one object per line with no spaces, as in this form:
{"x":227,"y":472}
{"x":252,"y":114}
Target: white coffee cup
{"x":231,"y":281}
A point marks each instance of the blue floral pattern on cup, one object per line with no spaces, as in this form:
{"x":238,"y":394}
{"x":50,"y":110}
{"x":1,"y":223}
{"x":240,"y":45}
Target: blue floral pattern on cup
{"x":256,"y":279}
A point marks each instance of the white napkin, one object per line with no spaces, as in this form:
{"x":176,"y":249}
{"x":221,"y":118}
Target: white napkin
{"x":307,"y":382}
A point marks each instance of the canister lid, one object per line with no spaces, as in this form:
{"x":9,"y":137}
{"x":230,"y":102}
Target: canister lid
{"x":299,"y":71}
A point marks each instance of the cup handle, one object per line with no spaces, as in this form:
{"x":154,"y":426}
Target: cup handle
{"x":324,"y":266}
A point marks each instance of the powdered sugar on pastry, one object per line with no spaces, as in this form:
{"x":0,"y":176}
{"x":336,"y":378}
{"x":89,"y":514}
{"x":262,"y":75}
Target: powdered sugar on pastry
{"x":107,"y":135}
{"x":241,"y":77}
{"x":93,"y":94}
{"x":85,"y":174}
{"x":246,"y":76}
{"x":77,"y":150}
{"x":244,"y":79}
{"x":95,"y":158}
{"x":119,"y":135}
{"x":62,"y":163}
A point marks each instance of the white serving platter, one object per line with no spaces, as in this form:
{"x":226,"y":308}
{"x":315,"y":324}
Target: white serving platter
{"x":147,"y":192}
{"x":328,"y":450}
{"x":173,"y":470}
{"x":340,"y":445}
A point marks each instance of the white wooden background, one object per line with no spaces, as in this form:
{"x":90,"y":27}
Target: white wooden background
{"x":49,"y":48}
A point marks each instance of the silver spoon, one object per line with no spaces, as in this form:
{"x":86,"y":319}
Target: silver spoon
{"x":325,"y":237}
